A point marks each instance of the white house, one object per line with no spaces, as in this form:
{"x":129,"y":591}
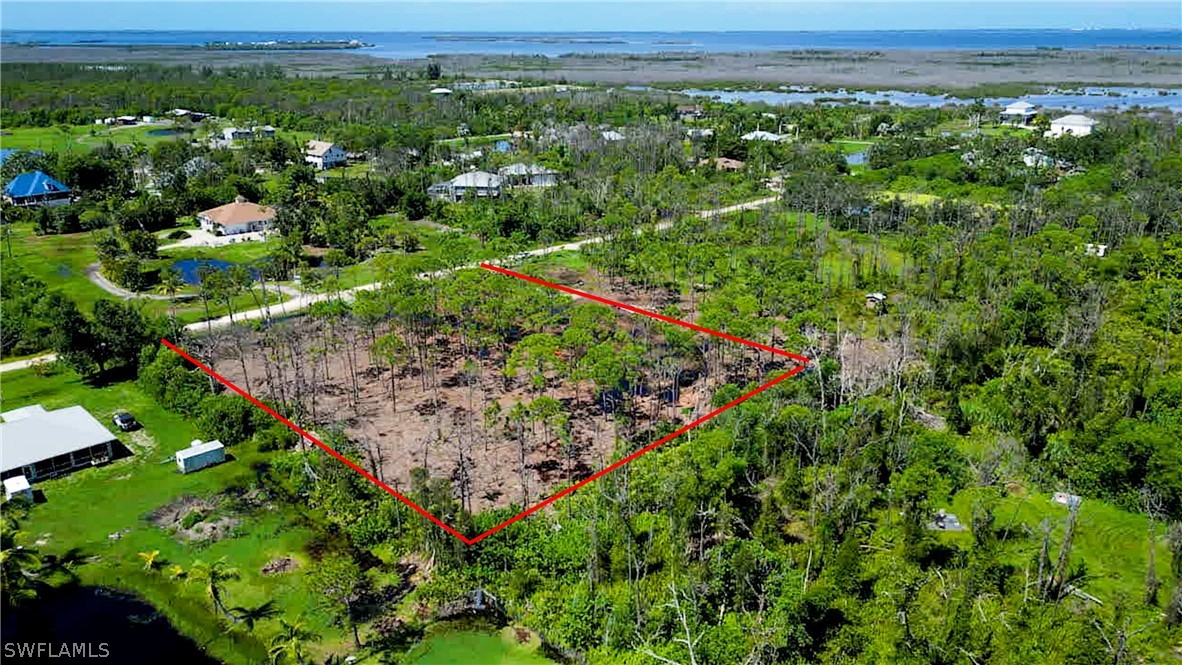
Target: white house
{"x":325,"y":154}
{"x":696,"y":133}
{"x":39,"y":444}
{"x":241,"y":216}
{"x":1074,"y":124}
{"x":476,"y":183}
{"x":611,"y":135}
{"x":440,"y":91}
{"x":760,"y":135}
{"x":528,"y":175}
{"x":237,"y":134}
{"x":1019,"y":113}
{"x":1037,"y":159}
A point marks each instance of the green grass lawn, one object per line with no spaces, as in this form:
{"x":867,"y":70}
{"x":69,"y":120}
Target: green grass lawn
{"x":461,"y":141}
{"x":468,"y":647}
{"x":1110,"y":541}
{"x":47,"y":139}
{"x":61,"y":261}
{"x":80,"y":137}
{"x":83,"y":509}
{"x":239,"y":252}
{"x":851,"y":146}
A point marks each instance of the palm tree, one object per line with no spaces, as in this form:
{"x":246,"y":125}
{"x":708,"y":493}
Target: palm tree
{"x":63,"y":564}
{"x":288,"y":645}
{"x":213,"y":575}
{"x":249,"y":616}
{"x":18,"y":565}
{"x":151,"y":559}
{"x":170,"y":284}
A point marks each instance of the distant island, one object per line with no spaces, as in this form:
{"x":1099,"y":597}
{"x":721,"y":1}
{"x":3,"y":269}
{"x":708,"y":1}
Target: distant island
{"x":308,"y":45}
{"x":532,"y":40}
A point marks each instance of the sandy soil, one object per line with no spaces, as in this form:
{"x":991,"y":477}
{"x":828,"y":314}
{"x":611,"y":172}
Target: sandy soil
{"x":438,"y":416}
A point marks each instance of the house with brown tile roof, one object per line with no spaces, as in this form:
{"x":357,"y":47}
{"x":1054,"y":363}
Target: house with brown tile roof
{"x":241,"y":216}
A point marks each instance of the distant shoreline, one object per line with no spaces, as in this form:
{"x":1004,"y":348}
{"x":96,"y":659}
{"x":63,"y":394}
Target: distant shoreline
{"x":986,"y":72}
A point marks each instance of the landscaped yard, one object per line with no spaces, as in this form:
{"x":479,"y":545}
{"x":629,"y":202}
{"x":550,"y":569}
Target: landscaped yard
{"x":104,"y":511}
{"x":469,"y":647}
{"x":61,"y":262}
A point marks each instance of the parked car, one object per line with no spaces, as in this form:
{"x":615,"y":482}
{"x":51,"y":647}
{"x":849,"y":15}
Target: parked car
{"x":125,"y":421}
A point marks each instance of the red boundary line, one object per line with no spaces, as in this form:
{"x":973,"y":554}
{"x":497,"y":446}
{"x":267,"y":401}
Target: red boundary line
{"x":525,"y":513}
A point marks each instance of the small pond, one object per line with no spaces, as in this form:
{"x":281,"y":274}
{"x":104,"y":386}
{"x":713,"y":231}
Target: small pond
{"x":164,"y":131}
{"x":99,"y":620}
{"x":190,"y":269}
{"x":856,"y":159}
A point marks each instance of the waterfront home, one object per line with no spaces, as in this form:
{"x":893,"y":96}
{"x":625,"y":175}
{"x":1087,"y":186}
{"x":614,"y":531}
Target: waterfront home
{"x":325,"y":154}
{"x":480,"y":184}
{"x":760,"y":135}
{"x":35,"y":188}
{"x":237,"y":134}
{"x":1075,"y":125}
{"x":528,"y":175}
{"x":241,"y":216}
{"x":1019,"y":114}
{"x":690,"y":111}
{"x":39,"y":444}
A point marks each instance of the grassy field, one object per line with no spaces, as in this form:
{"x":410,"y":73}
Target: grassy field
{"x":61,"y":262}
{"x":852,"y":146}
{"x":84,"y":509}
{"x":470,"y":647}
{"x":1110,"y":541}
{"x":81,"y":137}
{"x":62,"y":137}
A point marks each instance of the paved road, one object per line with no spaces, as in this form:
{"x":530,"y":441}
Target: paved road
{"x":28,"y":362}
{"x":96,"y":276}
{"x":301,"y":301}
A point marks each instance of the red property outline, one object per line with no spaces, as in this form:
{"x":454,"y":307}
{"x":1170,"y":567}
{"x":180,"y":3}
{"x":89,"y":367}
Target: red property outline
{"x":802,"y":362}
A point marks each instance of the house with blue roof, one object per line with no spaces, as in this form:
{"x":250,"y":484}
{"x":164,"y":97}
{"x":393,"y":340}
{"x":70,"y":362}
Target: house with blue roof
{"x":36,"y":189}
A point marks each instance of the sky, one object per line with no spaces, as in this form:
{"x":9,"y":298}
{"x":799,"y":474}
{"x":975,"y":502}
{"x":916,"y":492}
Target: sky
{"x":580,"y":15}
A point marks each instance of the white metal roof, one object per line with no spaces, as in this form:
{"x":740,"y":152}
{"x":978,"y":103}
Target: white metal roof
{"x":1020,"y":106}
{"x":40,"y":436}
{"x":1075,"y":120}
{"x":22,"y":413}
{"x":198,"y":449}
{"x":760,"y":135}
{"x":16,"y":484}
{"x":476,"y":179}
{"x":524,"y":169}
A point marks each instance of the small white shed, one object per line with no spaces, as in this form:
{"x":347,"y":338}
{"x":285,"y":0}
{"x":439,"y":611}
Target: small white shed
{"x":17,"y":486}
{"x":200,"y":455}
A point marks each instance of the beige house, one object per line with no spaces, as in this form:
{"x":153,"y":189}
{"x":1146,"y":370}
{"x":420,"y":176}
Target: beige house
{"x":325,"y":154}
{"x":241,"y":216}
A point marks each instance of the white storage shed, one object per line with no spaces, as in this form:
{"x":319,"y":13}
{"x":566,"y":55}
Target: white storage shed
{"x":200,"y":455}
